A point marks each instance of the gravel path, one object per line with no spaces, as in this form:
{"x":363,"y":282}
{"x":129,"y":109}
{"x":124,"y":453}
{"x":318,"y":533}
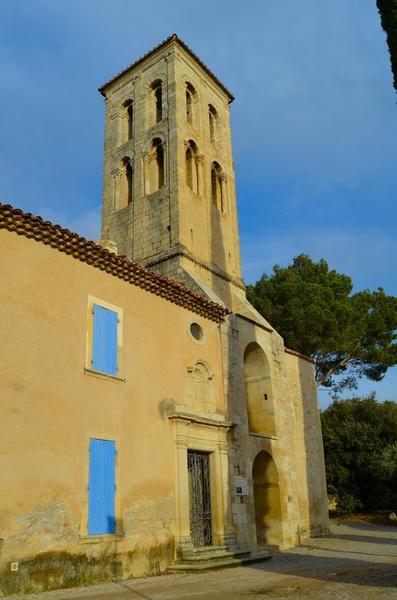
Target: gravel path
{"x":356,"y":561}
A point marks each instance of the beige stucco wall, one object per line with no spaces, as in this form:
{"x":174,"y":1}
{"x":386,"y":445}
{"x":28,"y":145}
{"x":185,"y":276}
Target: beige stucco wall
{"x":51,"y":407}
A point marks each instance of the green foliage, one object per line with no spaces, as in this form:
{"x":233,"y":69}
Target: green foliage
{"x":347,"y":504}
{"x":313,"y":308}
{"x":388,"y":13}
{"x":360,"y":444}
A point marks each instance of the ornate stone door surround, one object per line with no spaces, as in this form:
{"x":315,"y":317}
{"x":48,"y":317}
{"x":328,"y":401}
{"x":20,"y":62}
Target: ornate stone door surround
{"x":194,"y":432}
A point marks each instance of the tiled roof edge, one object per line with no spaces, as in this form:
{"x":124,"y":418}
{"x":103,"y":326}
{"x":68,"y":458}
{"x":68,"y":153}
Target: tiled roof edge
{"x":64,"y":240}
{"x":299,"y":354}
{"x":160,"y":46}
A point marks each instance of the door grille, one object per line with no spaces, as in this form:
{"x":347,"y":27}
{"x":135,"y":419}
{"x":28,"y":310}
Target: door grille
{"x":200,"y":498}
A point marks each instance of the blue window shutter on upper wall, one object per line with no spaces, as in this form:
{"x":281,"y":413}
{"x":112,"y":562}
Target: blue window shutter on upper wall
{"x":101,"y":514}
{"x":104,"y":342}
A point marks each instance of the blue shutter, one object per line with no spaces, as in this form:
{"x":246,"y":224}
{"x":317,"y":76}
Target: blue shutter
{"x":101,"y":516}
{"x":104,"y":342}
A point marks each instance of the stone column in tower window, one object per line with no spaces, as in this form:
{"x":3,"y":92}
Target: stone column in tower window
{"x":199,"y":160}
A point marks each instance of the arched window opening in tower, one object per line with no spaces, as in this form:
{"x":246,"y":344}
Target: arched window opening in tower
{"x":130,"y":120}
{"x":212,"y":119}
{"x":156,"y":102}
{"x":188,"y":106}
{"x":159,"y":104}
{"x":156,"y":166}
{"x":127,"y":119}
{"x":222,"y":194}
{"x":190,"y":95}
{"x":218,"y":191}
{"x":125,"y":184}
{"x":189,"y":167}
{"x":214,"y":187}
{"x":192,"y":167}
{"x":126,"y":122}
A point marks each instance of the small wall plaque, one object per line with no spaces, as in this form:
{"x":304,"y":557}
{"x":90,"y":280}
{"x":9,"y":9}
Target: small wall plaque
{"x":241,"y":486}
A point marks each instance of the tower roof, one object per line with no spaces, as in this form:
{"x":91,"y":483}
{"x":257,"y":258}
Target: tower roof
{"x":172,"y":38}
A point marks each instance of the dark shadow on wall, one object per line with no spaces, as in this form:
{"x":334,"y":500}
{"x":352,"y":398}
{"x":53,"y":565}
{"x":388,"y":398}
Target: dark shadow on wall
{"x":218,"y":254}
{"x":221,"y":287}
{"x":228,"y":343}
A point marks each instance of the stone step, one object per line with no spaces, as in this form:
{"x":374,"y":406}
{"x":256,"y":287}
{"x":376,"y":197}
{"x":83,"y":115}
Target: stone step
{"x":220,"y":563}
{"x":209,"y":556}
{"x":205,"y":549}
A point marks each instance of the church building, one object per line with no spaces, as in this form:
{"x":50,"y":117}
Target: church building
{"x":152,"y":419}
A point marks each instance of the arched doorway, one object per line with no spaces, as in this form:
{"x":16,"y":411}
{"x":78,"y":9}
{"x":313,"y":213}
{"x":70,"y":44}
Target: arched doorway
{"x":258,"y":391}
{"x":266,"y":499}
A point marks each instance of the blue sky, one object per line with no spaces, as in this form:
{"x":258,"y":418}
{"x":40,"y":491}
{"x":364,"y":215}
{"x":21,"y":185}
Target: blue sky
{"x":314,"y":120}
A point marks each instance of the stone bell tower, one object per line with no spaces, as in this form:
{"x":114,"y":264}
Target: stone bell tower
{"x":169,"y":191}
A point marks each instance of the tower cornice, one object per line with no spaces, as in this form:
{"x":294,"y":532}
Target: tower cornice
{"x":170,"y":40}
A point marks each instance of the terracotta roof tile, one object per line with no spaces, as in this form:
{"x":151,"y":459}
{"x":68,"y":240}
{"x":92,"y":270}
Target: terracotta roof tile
{"x":171,"y":38}
{"x":64,"y":240}
{"x":296,"y":353}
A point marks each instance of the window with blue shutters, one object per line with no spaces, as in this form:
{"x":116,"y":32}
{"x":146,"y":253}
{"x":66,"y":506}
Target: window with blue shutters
{"x":104,"y":340}
{"x":101,"y":488}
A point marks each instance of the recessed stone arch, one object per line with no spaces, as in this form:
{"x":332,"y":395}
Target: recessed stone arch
{"x":267,"y":500}
{"x":191,"y":99}
{"x":212,"y":123}
{"x":218,"y":187}
{"x":192,"y":166}
{"x":126,"y":119}
{"x":154,"y":166}
{"x":155,"y":104}
{"x":123,"y":184}
{"x":258,"y":391}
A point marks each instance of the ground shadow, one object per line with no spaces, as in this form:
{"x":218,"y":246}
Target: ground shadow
{"x":359,"y":552}
{"x":364,"y":539}
{"x":366,"y":569}
{"x":338,"y":570}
